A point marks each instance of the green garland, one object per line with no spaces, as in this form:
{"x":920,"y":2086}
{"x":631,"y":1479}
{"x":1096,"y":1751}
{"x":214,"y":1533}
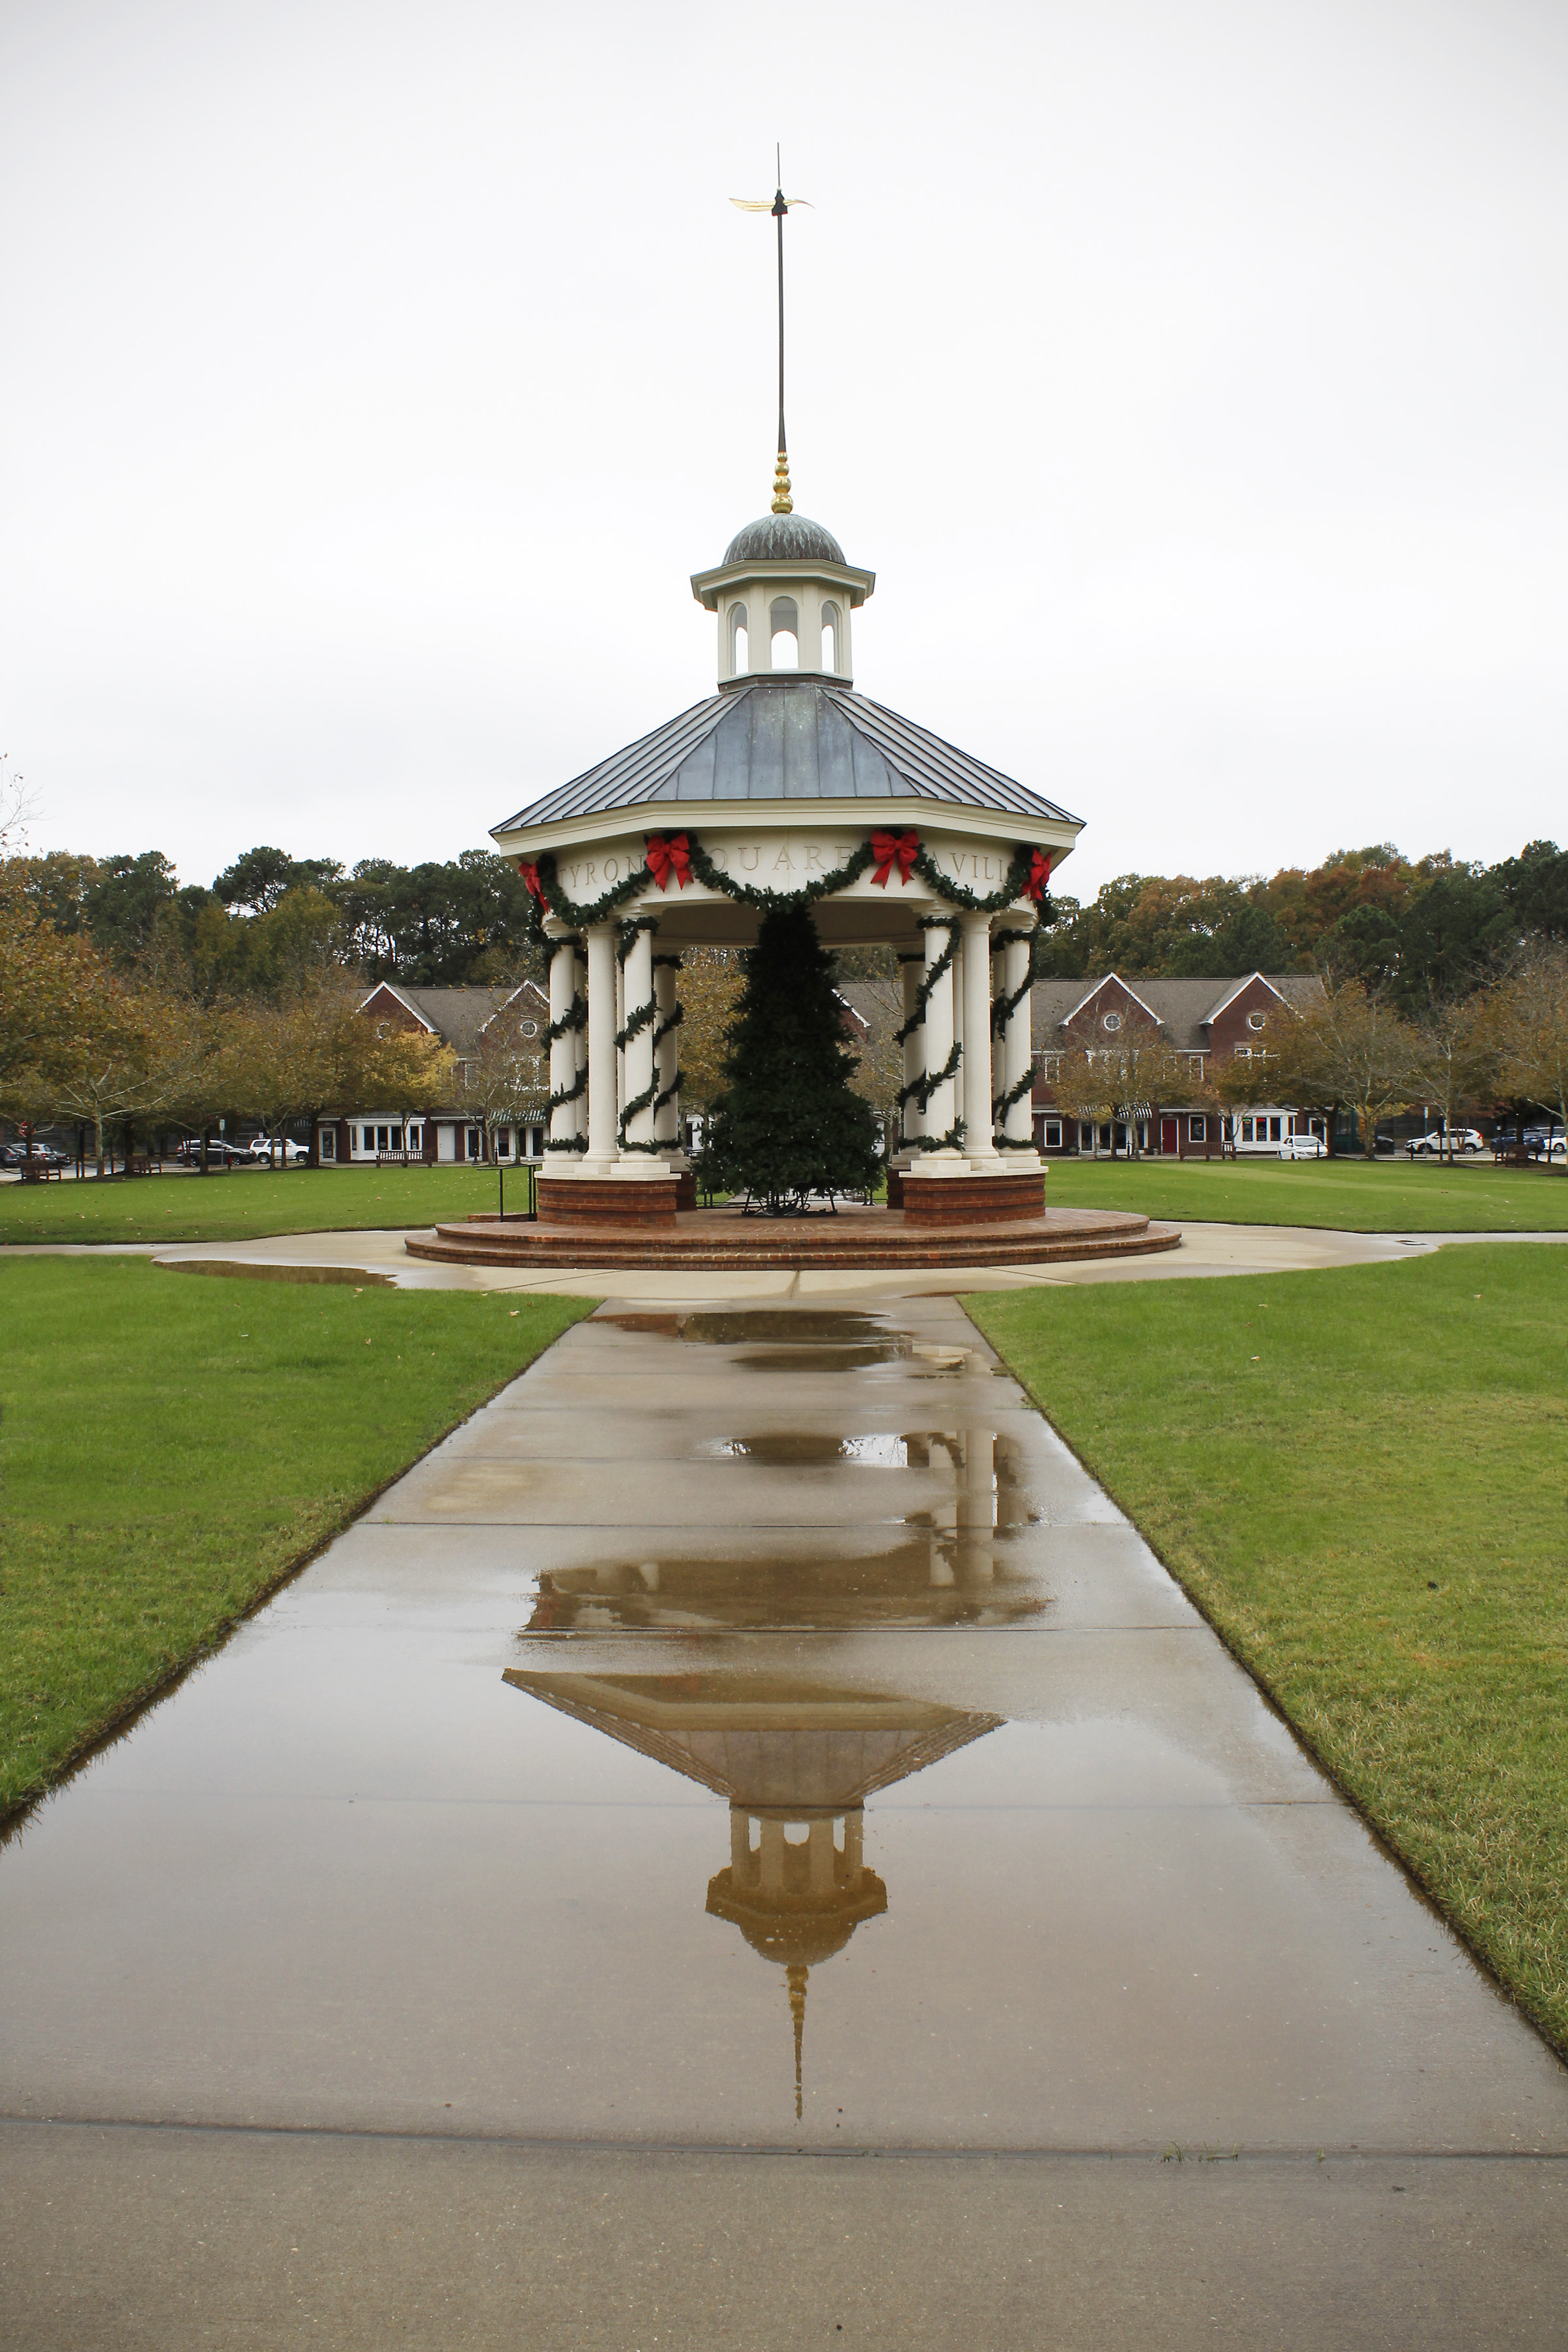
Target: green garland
{"x":746,"y":894}
{"x":579,"y":913}
{"x":929,"y":979}
{"x":574,"y":1017}
{"x":921,"y":1089}
{"x":1013,"y":882}
{"x":1003,"y":1007}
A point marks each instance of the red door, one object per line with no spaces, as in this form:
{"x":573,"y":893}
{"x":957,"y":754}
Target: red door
{"x":1167,"y":1135}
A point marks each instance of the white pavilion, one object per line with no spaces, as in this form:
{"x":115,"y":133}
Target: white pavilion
{"x":785,"y":781}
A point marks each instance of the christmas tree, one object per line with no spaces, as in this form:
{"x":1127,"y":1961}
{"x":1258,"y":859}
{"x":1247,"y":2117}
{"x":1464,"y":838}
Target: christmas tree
{"x":787,"y":1123}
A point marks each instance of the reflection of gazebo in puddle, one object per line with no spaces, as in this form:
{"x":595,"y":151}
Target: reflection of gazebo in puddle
{"x":948,"y":1565}
{"x":785,"y":1755}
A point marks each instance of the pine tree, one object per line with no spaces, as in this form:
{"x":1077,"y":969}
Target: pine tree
{"x":787,"y":1123}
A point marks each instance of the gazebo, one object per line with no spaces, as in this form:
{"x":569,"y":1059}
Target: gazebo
{"x":785,"y":784}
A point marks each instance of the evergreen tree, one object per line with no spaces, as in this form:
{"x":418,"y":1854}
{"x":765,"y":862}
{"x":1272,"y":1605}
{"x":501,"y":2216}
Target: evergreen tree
{"x":787,"y":1123}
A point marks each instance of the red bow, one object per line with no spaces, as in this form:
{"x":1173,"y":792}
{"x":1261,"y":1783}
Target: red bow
{"x":1039,"y":877}
{"x":530,"y":881}
{"x":890,"y":849}
{"x":667,"y":857}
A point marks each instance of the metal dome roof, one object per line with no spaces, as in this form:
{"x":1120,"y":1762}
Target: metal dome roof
{"x":783,"y":539}
{"x":791,"y":739}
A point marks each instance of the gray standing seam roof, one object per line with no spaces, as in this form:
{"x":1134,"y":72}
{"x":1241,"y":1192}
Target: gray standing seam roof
{"x":1182,"y":1007}
{"x":780,"y":740}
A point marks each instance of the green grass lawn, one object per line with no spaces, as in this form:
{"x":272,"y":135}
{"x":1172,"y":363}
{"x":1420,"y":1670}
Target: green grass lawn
{"x":1361,"y":1476}
{"x":246,"y":1201}
{"x":1377,"y":1197}
{"x":172,"y":1446}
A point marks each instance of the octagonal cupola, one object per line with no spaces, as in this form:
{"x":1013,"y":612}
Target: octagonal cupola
{"x":783,"y":597}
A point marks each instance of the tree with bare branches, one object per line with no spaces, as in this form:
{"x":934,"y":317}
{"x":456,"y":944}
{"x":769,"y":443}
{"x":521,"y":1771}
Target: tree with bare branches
{"x":1347,"y":1048}
{"x":1530,"y":1027}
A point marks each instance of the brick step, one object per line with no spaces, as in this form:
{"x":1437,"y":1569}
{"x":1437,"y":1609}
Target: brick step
{"x":885,"y":1245}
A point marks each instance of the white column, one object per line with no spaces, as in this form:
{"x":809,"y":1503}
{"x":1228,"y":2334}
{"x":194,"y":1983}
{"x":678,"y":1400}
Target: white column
{"x":637,"y":994}
{"x":666,"y":1057}
{"x":563,"y":1048}
{"x":580,"y":1043}
{"x":933,"y":1161}
{"x":602,"y":1141}
{"x":1017,"y":1047}
{"x":909,"y":968}
{"x":978,"y":1091}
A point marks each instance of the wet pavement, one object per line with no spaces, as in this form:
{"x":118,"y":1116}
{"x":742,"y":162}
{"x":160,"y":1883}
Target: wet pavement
{"x":751,"y":1734}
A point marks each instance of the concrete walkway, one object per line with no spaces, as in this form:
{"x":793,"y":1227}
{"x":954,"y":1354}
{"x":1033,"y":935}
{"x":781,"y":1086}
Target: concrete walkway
{"x":743,"y":1846}
{"x":1205,"y":1250}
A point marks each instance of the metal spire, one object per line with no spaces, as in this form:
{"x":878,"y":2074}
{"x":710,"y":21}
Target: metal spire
{"x":780,"y":205}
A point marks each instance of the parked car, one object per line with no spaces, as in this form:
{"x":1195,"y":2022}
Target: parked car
{"x":282,"y":1151}
{"x":220,"y":1153}
{"x":1456,"y":1140}
{"x":42,"y":1155}
{"x":1540,"y":1139}
{"x":1303,"y":1147}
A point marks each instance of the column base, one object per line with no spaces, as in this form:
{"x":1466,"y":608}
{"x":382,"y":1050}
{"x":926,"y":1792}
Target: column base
{"x":589,"y":1199}
{"x":965,"y":1198}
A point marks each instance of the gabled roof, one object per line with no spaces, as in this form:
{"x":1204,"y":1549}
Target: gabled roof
{"x":778,"y":738}
{"x":457,"y":1017}
{"x":1184,"y":1008}
{"x":1231,"y":995}
{"x":1092,"y":991}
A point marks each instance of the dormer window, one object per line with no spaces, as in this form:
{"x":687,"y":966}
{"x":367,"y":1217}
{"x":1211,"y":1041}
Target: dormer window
{"x":784,"y":632}
{"x":1111,"y":1021}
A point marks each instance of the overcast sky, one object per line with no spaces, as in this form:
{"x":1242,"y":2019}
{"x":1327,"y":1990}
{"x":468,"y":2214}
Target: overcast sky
{"x":1194,"y":373}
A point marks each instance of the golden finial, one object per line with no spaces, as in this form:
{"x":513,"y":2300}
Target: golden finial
{"x":783,"y":502}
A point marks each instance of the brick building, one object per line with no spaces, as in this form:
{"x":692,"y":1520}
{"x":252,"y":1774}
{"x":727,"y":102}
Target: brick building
{"x":1203,"y":1024}
{"x":453,"y":1130}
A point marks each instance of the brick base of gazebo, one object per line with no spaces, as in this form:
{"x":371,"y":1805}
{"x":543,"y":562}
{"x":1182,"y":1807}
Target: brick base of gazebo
{"x":708,"y":1240}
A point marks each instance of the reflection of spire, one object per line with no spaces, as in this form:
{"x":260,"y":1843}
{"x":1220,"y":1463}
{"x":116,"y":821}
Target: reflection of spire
{"x":788,"y":1754}
{"x":796,"y":1978}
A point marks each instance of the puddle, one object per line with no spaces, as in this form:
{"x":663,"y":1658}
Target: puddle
{"x":242,"y":1270}
{"x":805,"y":1327}
{"x":930,"y":1576}
{"x":790,"y":1449}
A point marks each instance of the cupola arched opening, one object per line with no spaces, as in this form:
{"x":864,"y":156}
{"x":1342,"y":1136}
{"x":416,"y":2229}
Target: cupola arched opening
{"x":830,"y":636}
{"x":740,"y":641}
{"x":784,"y":632}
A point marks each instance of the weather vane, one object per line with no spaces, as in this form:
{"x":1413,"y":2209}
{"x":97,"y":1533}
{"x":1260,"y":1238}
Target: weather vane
{"x":783,"y":502}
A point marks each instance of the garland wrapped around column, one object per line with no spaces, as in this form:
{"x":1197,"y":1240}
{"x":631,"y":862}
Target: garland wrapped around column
{"x":573,"y":1019}
{"x":1001,"y":1009}
{"x":668,"y":1093}
{"x":636,"y":1023}
{"x":921,"y":1089}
